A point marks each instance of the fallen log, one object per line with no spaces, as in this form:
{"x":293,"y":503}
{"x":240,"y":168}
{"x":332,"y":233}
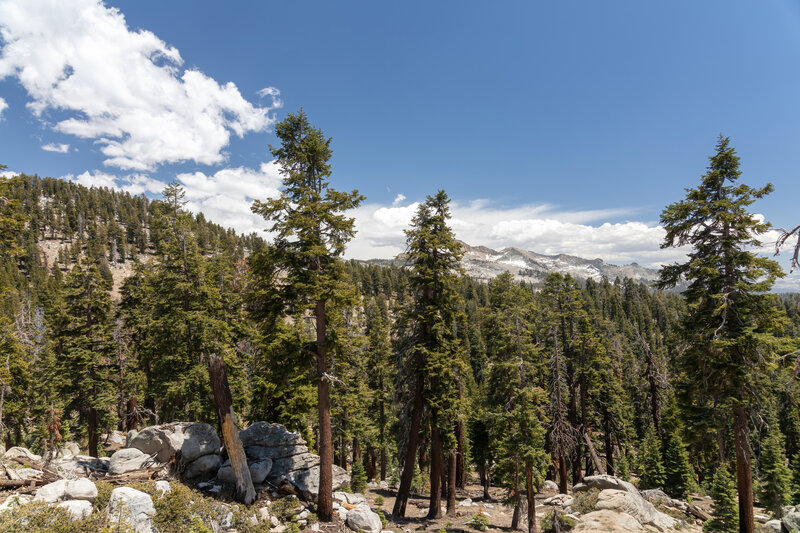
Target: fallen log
{"x":699,"y":513}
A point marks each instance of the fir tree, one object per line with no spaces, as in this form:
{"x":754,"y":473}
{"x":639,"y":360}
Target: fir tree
{"x":776,"y":477}
{"x":650,"y":463}
{"x":311,"y":233}
{"x":730,"y":323}
{"x":679,"y":479}
{"x":723,"y":492}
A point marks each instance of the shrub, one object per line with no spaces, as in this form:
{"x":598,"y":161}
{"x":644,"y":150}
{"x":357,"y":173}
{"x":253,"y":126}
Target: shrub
{"x":382,"y":517}
{"x":584,"y":502}
{"x":358,"y":477}
{"x":556,"y":521}
{"x":479,"y":521}
{"x":379,"y":501}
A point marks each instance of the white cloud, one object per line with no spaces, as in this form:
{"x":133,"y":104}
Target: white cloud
{"x":540,"y":228}
{"x":3,"y":107}
{"x":133,"y":183}
{"x":8,"y":173}
{"x":61,"y":148}
{"x":125,"y":89}
{"x":225,"y":197}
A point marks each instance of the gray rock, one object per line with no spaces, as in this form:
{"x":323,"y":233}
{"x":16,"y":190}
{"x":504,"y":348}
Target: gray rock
{"x":269,"y":435}
{"x":81,"y":489}
{"x":306,"y":482}
{"x":132,"y":507}
{"x":68,"y":449}
{"x":129,"y":436}
{"x":604,"y":482}
{"x":21,"y":455}
{"x":27,"y":473}
{"x":257,"y":453}
{"x":559,"y":500}
{"x":13,"y":501}
{"x":115,"y":437}
{"x":77,"y":508}
{"x":81,"y":465}
{"x":127,"y":460}
{"x":205,"y":466}
{"x":260,"y":470}
{"x":633,"y":504}
{"x":467,"y":502}
{"x":163,"y":487}
{"x":792,"y":520}
{"x":362,"y":518}
{"x":774,"y":526}
{"x":192,"y":439}
{"x":303,"y":461}
{"x":52,"y":492}
{"x":607,"y":520}
{"x":550,"y":485}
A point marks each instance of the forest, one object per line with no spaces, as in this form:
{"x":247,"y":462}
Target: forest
{"x":111,"y":306}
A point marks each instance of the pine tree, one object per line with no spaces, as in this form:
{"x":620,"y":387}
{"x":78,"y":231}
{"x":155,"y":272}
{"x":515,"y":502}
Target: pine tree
{"x":723,"y":492}
{"x":776,"y":477}
{"x":679,"y":479}
{"x":650,"y":463}
{"x":730,"y":322}
{"x":311,"y":233}
{"x":431,"y":357}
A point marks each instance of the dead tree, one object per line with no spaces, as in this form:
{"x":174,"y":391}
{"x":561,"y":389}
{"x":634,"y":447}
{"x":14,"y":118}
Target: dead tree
{"x":245,"y":493}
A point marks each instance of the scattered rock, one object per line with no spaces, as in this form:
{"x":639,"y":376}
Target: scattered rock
{"x":21,"y":455}
{"x":129,"y":436}
{"x":550,"y":485}
{"x":774,"y":526}
{"x":132,"y":507}
{"x":27,"y":473}
{"x":792,"y":520}
{"x":77,"y":508}
{"x":52,"y":492}
{"x":633,"y":504}
{"x":205,"y":466}
{"x":606,"y":521}
{"x":465,"y":502}
{"x":260,"y":470}
{"x":306,"y":482}
{"x":163,"y":487}
{"x":13,"y":501}
{"x":192,"y":439}
{"x":127,"y":460}
{"x":269,"y":435}
{"x":362,"y":518}
{"x":81,"y":489}
{"x":561,"y":500}
{"x":81,"y":465}
{"x":604,"y":482}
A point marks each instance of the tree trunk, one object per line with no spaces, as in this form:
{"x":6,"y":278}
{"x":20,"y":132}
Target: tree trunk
{"x":461,"y":471}
{"x":356,"y":451}
{"x":399,"y":509}
{"x":132,"y":418}
{"x":517,"y":499}
{"x":245,"y":493}
{"x":92,"y":431}
{"x":452,"y":471}
{"x":435,"y":505}
{"x":325,"y":449}
{"x":484,"y":475}
{"x":562,"y":474}
{"x":744,"y":474}
{"x":382,"y":439}
{"x":530,"y":492}
{"x":609,"y":444}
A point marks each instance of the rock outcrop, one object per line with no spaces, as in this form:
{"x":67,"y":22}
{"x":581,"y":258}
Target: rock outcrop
{"x":133,"y":508}
{"x":193,"y":440}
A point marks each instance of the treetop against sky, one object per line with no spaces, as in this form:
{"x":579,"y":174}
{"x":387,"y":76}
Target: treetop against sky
{"x":560,"y":128}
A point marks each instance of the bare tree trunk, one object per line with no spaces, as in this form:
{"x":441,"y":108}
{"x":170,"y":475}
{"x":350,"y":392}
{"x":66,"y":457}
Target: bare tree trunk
{"x":744,"y":474}
{"x":530,"y":492}
{"x":461,"y":471}
{"x":401,"y":500}
{"x":484,"y":476}
{"x":562,"y":474}
{"x":451,"y":483}
{"x":245,"y":493}
{"x":92,"y":430}
{"x":325,"y":449}
{"x":382,"y":439}
{"x":517,"y":499}
{"x":435,"y":505}
{"x":132,"y":418}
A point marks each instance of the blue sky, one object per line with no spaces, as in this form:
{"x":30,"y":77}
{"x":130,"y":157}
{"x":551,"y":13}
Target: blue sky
{"x":554,"y":126}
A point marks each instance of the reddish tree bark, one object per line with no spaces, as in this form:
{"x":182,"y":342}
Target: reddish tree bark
{"x":435,"y":505}
{"x":399,"y":509}
{"x":451,"y":483}
{"x":325,"y":497}
{"x":92,"y":431}
{"x":744,"y":474}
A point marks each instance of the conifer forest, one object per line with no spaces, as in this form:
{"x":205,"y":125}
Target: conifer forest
{"x":436,"y":395}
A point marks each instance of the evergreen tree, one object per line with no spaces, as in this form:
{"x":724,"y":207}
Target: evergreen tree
{"x":723,"y":492}
{"x":84,"y":348}
{"x":730,"y":322}
{"x":679,"y":480}
{"x":431,"y":357}
{"x":311,"y":233}
{"x":776,"y":477}
{"x":651,"y":465}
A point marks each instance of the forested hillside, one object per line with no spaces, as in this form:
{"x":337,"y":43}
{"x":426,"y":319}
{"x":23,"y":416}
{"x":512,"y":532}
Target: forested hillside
{"x":113,"y":304}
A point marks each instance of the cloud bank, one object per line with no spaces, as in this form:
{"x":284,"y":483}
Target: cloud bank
{"x":53,"y":147}
{"x":125,"y":90}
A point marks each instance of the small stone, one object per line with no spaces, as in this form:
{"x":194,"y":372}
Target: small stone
{"x":52,"y":492}
{"x":80,"y":489}
{"x":274,"y":522}
{"x":303,"y":515}
{"x":77,"y":508}
{"x":163,"y":487}
{"x":278,"y":529}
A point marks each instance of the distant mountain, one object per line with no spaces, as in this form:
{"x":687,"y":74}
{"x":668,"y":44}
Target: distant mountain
{"x":480,"y":262}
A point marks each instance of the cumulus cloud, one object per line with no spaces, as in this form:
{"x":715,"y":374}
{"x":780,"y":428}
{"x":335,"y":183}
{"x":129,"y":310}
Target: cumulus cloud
{"x":540,"y":228}
{"x":126,"y":90}
{"x":3,"y":107}
{"x":133,"y":183}
{"x":225,"y":197}
{"x":61,"y":148}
